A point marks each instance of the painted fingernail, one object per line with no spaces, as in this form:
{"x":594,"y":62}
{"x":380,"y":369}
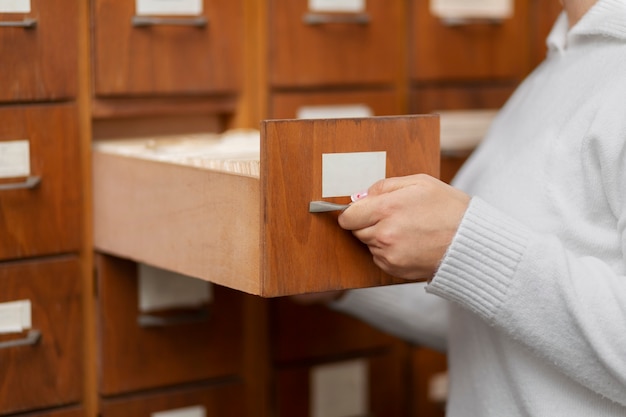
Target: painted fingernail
{"x":358,"y":196}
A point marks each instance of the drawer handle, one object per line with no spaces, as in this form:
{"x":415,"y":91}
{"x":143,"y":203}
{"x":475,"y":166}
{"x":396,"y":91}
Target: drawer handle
{"x":29,"y":182}
{"x":31,"y":339}
{"x":26,"y":24}
{"x":149,"y":320}
{"x":461,"y":21}
{"x":144,"y":21}
{"x":326,"y":18}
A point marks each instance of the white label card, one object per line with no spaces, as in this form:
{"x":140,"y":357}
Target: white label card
{"x":14,"y":159}
{"x":14,"y":6}
{"x":193,"y":411}
{"x":15,"y":316}
{"x":345,"y":6}
{"x":160,"y":289}
{"x":344,"y":174}
{"x":334,"y":111}
{"x":340,"y":389}
{"x":169,"y":7}
{"x":475,"y":9}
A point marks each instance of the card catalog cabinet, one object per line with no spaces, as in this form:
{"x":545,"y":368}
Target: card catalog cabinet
{"x":312,"y":47}
{"x":39,"y":50}
{"x":39,"y":355}
{"x":152,"y":54}
{"x":139,"y":351}
{"x":39,"y":181}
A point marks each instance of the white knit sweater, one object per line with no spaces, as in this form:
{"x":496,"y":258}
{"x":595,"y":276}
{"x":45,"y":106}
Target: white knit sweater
{"x":530,"y":300}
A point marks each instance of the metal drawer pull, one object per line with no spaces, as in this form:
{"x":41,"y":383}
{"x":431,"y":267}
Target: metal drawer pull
{"x":31,"y":339}
{"x":323,"y":19}
{"x":144,"y":21}
{"x":29,"y":182}
{"x":149,"y":320}
{"x":461,"y":21}
{"x":26,"y":23}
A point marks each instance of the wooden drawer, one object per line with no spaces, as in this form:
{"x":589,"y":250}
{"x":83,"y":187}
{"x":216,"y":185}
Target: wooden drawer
{"x":223,"y":400}
{"x":294,"y":105}
{"x":39,"y":218}
{"x":360,"y":386}
{"x":41,"y":365}
{"x":39,"y":51}
{"x":64,"y":412}
{"x":189,"y":54}
{"x":301,"y":333}
{"x":468,"y":49}
{"x":189,"y":346}
{"x":254,"y":232}
{"x":359,"y":47}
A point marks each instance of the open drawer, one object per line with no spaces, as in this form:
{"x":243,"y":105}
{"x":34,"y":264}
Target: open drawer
{"x":241,"y":217}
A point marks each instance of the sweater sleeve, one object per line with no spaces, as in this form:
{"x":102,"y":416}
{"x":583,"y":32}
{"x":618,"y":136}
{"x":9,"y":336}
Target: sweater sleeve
{"x":569,"y":310}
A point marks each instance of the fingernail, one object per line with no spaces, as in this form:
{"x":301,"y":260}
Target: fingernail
{"x":358,"y":196}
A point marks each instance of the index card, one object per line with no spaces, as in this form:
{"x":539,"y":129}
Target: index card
{"x":14,"y":159}
{"x":475,"y":9}
{"x":15,"y":316}
{"x":334,"y":111}
{"x":160,"y":289}
{"x":168,"y":7}
{"x":340,"y":389}
{"x":14,"y":6}
{"x":344,"y":174}
{"x":193,"y":411}
{"x":345,"y":6}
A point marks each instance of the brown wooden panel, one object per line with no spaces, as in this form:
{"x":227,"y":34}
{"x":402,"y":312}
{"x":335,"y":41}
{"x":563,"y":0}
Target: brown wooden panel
{"x":382,"y":103}
{"x":335,"y":53}
{"x":222,"y":400}
{"x":294,"y":240}
{"x":64,"y":412}
{"x":387,"y":387}
{"x":543,"y":16}
{"x":473,"y":50}
{"x":134,"y":357}
{"x":426,"y":364}
{"x":48,"y":373}
{"x":313,"y":332}
{"x":167,"y":59}
{"x":45,"y":219}
{"x":40,"y":62}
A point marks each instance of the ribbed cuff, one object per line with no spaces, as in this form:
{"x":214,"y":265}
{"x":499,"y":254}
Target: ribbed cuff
{"x":480,"y":264}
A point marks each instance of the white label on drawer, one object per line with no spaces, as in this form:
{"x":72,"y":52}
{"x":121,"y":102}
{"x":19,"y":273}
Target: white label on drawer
{"x":344,"y":174}
{"x":334,"y":111}
{"x":160,"y":289}
{"x":14,"y":159}
{"x":193,"y":411}
{"x":169,"y":7}
{"x":475,"y":9}
{"x":14,"y":6}
{"x":15,"y":316}
{"x":346,"y":6}
{"x":339,"y":390}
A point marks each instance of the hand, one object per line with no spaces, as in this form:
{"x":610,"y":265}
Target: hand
{"x":407,"y":223}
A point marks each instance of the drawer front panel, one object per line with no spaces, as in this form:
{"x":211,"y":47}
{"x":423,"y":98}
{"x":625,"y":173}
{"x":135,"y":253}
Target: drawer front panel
{"x":45,"y":371}
{"x":195,"y":54}
{"x":207,"y":401}
{"x":41,"y":47}
{"x":344,"y":48}
{"x":206,"y":343}
{"x":40,"y":218}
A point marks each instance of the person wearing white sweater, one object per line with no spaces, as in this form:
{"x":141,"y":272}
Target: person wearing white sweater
{"x":523,"y":259}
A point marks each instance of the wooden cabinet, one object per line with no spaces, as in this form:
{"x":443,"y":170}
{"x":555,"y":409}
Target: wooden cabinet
{"x":138,"y":351}
{"x":40,"y":196}
{"x":139,"y":55}
{"x":39,"y":51}
{"x":41,"y":364}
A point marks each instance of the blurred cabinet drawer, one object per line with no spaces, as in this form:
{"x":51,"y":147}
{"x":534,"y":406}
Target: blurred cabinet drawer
{"x":145,"y":52}
{"x":63,"y":412}
{"x":360,"y":103}
{"x":138,"y":353}
{"x":41,"y":348}
{"x":312,"y":46}
{"x":39,"y":50}
{"x":39,"y":181}
{"x":371,"y":385}
{"x":222,"y":400}
{"x":301,"y":333}
{"x":468,"y":48}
